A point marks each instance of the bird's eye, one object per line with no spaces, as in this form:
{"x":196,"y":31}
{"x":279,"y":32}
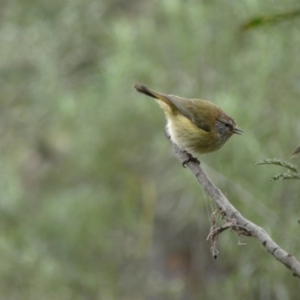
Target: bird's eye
{"x":227,"y":125}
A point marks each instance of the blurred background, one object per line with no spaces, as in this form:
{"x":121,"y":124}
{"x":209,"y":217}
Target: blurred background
{"x":93,"y":202}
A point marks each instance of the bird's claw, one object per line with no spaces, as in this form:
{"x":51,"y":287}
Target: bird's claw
{"x":190,"y":158}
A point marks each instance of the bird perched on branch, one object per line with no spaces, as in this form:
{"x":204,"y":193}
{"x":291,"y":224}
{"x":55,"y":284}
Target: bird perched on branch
{"x":196,"y":126}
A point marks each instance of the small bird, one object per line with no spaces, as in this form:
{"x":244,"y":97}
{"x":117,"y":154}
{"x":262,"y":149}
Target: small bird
{"x":194,"y":125}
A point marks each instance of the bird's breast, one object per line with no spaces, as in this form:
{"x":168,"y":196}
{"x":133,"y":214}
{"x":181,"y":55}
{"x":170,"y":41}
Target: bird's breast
{"x":191,"y":138}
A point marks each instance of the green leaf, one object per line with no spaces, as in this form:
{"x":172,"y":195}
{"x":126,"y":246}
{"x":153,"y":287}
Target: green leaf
{"x":278,"y":162}
{"x":269,"y":19}
{"x":282,"y":176}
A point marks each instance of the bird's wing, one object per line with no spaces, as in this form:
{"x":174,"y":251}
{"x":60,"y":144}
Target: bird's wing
{"x":189,"y":109}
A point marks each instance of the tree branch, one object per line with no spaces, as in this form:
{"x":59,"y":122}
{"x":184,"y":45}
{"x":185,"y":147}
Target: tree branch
{"x":233,"y":217}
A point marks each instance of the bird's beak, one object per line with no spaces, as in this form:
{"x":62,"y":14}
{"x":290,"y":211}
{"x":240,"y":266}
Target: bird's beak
{"x":237,"y":130}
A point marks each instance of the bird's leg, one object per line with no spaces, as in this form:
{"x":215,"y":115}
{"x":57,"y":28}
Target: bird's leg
{"x":190,"y":158}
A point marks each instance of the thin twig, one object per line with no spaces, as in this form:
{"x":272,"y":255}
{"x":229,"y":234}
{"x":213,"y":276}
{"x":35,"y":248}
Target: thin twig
{"x":213,"y":235}
{"x":231,"y":213}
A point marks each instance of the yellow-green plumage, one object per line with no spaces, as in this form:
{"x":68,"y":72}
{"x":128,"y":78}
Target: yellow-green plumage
{"x":197,"y":126}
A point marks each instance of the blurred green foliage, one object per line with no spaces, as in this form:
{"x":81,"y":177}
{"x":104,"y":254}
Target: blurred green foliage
{"x":94,"y":205}
{"x":291,"y":172}
{"x":270,"y":19}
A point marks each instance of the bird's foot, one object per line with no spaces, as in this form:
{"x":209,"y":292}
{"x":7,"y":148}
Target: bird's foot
{"x":190,"y":158}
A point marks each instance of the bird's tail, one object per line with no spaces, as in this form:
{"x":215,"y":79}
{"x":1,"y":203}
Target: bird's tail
{"x":144,"y":90}
{"x":163,"y":100}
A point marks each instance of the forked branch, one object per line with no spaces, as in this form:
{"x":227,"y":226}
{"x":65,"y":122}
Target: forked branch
{"x":234,"y":218}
